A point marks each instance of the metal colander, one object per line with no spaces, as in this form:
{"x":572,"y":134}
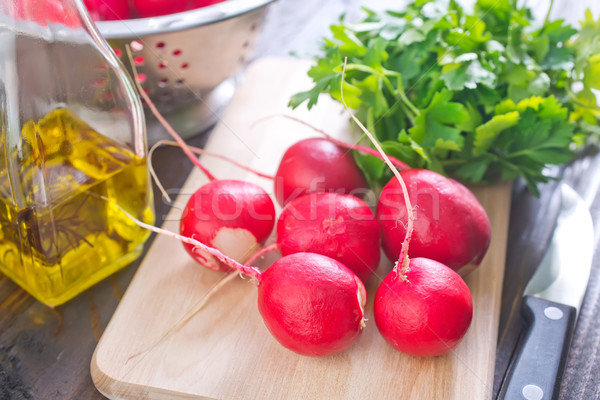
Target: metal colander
{"x":187,"y":61}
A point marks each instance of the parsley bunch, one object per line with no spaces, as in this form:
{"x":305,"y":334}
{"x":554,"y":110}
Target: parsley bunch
{"x":481,"y":96}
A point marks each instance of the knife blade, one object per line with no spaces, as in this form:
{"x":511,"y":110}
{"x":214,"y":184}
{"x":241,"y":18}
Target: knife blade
{"x":551,"y":303}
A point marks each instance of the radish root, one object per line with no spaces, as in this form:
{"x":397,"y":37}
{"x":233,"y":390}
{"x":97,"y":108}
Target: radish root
{"x":163,"y":121}
{"x":403,"y":260}
{"x":148,"y":345}
{"x":157,"y":182}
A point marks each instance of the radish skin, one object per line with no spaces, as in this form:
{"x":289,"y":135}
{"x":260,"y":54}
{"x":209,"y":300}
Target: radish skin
{"x":312,"y":304}
{"x":450,"y":224}
{"x":317,"y":165}
{"x":339,"y":226}
{"x":425,"y":314}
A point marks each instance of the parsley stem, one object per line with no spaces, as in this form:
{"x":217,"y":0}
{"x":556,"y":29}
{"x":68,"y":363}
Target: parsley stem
{"x":409,"y":104}
{"x":407,"y":112}
{"x":521,"y":153}
{"x":576,"y":101}
{"x":454,"y":161}
{"x":548,"y":13}
{"x":397,"y":91}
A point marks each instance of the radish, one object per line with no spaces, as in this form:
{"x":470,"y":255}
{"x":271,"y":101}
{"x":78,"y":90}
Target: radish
{"x":203,"y":3}
{"x":451,"y":226}
{"x":156,"y":8}
{"x":312,"y":304}
{"x":233,"y":216}
{"x":339,"y":226}
{"x":426,"y":312}
{"x":317,"y":165}
{"x":44,"y":13}
{"x":321,"y":165}
{"x":108,"y":10}
{"x":422,"y":307}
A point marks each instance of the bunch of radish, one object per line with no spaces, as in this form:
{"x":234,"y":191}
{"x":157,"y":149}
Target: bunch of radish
{"x":422,"y":307}
{"x":312,"y":299}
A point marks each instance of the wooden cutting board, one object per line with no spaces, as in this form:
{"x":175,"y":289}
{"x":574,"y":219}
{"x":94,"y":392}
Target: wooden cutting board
{"x":225,"y":351}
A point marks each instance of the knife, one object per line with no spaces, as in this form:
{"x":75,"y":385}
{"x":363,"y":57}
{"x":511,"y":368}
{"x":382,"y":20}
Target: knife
{"x":551,"y":303}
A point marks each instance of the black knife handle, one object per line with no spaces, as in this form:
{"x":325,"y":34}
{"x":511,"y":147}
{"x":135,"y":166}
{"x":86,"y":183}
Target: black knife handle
{"x":538,"y":368}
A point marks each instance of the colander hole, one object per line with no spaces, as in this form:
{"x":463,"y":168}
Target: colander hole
{"x":162,"y":65}
{"x":160,"y":45}
{"x":177,"y":52}
{"x":246,"y":44}
{"x":179,"y":83}
{"x":185,"y":66}
{"x":99,"y":82}
{"x":253,"y":27}
{"x":163,"y":83}
{"x":142,"y":78}
{"x":139,"y":60}
{"x":118,"y":52}
{"x":136,"y":45}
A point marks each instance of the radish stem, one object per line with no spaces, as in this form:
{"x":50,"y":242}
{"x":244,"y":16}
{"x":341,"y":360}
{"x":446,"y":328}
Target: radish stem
{"x":341,"y":143}
{"x":200,"y":151}
{"x":262,"y":252}
{"x":163,"y":121}
{"x":403,"y":260}
{"x":230,"y":262}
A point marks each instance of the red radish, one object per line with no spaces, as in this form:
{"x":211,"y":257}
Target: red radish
{"x":317,"y":165}
{"x":44,"y":13}
{"x":451,"y":226}
{"x":425,"y":312}
{"x":422,"y":307}
{"x":108,"y":10}
{"x":156,"y":8}
{"x":322,"y":165}
{"x":312,"y":304}
{"x":235,"y":217}
{"x":203,"y":3}
{"x":339,"y":226}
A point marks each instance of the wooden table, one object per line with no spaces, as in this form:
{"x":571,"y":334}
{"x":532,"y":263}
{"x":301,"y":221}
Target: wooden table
{"x":45,"y":353}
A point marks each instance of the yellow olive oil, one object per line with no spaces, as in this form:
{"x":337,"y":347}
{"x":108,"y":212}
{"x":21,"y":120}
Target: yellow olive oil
{"x":60,"y":231}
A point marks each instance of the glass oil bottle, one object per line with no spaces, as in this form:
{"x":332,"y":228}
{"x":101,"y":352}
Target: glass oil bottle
{"x":72,"y":152}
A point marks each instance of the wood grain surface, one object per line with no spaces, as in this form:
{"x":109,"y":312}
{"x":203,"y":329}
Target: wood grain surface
{"x":226,"y":352}
{"x":45,"y":353}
